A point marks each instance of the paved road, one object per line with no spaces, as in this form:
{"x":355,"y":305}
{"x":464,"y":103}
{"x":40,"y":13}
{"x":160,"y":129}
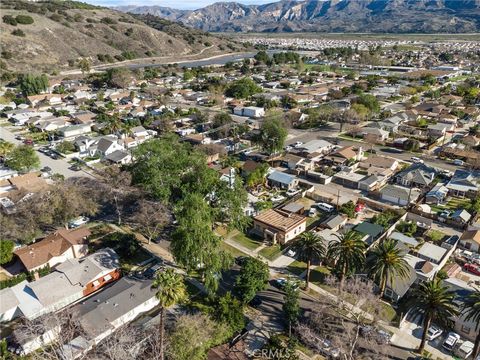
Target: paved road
{"x":59,"y":166}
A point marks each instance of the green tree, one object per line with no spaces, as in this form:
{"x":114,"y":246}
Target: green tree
{"x":65,"y":147}
{"x":370,"y":102}
{"x":253,"y":278}
{"x":348,"y":252}
{"x":23,"y":158}
{"x":348,"y":209}
{"x":242,"y":88}
{"x":6,"y":251}
{"x":471,"y":310}
{"x":170,"y":291}
{"x":291,"y":306}
{"x":24,"y":19}
{"x":229,"y":310}
{"x":386,"y":262}
{"x":309,"y":247}
{"x":30,"y":84}
{"x":84,"y":65}
{"x":273,"y":134}
{"x":5,"y":148}
{"x":221,"y":119}
{"x":434,"y":302}
{"x":262,"y":57}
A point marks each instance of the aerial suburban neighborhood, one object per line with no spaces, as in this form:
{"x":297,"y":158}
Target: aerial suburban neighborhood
{"x":313,"y":198}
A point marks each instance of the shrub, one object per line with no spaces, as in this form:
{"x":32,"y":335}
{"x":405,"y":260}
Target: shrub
{"x":18,"y":32}
{"x":108,"y":20}
{"x":56,"y":17}
{"x":7,"y":54}
{"x":24,"y":19}
{"x":10,"y":20}
{"x":13,"y":281}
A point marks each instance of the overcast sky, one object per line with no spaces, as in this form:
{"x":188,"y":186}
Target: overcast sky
{"x":177,"y":4}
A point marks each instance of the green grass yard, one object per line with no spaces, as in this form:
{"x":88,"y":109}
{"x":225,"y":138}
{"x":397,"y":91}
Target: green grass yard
{"x":232,"y":250}
{"x":297,"y":267}
{"x":452,"y":204}
{"x":271,"y":252}
{"x":246,"y":241}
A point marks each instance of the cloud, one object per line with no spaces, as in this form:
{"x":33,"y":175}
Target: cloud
{"x":182,"y":4}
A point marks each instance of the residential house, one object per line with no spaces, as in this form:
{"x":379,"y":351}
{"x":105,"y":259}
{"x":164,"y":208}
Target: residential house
{"x":249,"y":111}
{"x":107,"y":145}
{"x":464,"y":183}
{"x":314,"y":149}
{"x":54,"y":249}
{"x":461,"y":216}
{"x":437,"y":195}
{"x":278,"y":226}
{"x":44,"y":99}
{"x":377,"y":161}
{"x":470,"y":240}
{"x":292,"y":161}
{"x":119,"y":157}
{"x":30,"y":182}
{"x":370,"y":232}
{"x":392,"y":123}
{"x":439,"y":129}
{"x":399,"y":195}
{"x":282,"y":180}
{"x":74,"y":130}
{"x":69,"y":282}
{"x":344,"y":155}
{"x":417,"y":175}
{"x":83,"y":117}
{"x":102,"y":314}
{"x":373,"y":134}
{"x":334,"y":222}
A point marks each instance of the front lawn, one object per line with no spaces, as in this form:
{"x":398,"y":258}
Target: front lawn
{"x":271,"y":252}
{"x":232,"y":250}
{"x":452,"y":204}
{"x":245,"y":241}
{"x":297,"y":267}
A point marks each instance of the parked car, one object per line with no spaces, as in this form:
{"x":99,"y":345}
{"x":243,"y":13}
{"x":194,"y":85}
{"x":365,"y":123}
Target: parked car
{"x":450,"y":341}
{"x":472,"y":268}
{"x":54,"y":156}
{"x":458,"y":162}
{"x":464,"y":350}
{"x":288,"y":148}
{"x":433,"y":332}
{"x":359,"y":207}
{"x":46,"y":169}
{"x":298,"y":144}
{"x":325,"y":207}
{"x":75,"y":167}
{"x":277,"y":198}
{"x":445,"y":214}
{"x":78,"y":222}
{"x":281,"y":282}
{"x":416,"y":160}
{"x":291,"y":253}
{"x":312,"y":212}
{"x":292,"y":192}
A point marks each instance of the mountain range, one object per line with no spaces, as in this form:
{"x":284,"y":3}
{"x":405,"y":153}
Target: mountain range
{"x":385,"y":16}
{"x":57,"y":33}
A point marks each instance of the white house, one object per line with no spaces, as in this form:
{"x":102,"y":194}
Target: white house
{"x":249,"y":111}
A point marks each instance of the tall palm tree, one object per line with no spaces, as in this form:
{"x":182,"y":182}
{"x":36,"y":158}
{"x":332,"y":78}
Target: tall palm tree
{"x":435,"y":302}
{"x":385,"y":262}
{"x":348,"y":252}
{"x":310,"y":247}
{"x":471,"y":311}
{"x":171,"y":290}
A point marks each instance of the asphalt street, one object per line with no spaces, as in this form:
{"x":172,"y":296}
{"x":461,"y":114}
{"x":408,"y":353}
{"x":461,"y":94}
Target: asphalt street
{"x":59,"y":166}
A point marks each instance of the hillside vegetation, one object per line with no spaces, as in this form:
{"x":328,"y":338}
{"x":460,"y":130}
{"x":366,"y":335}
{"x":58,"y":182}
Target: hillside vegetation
{"x":55,"y":35}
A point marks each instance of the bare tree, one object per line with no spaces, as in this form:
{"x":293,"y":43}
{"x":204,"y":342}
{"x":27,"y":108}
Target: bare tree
{"x":149,"y":218}
{"x":340,"y":322}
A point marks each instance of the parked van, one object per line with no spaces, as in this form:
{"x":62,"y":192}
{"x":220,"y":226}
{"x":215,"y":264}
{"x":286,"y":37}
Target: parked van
{"x":464,"y":350}
{"x":325,"y":207}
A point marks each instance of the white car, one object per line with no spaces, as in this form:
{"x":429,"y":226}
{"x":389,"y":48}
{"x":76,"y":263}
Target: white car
{"x":312,"y":212}
{"x":458,"y":162}
{"x":291,"y":253}
{"x":78,"y":222}
{"x":298,"y":144}
{"x":288,"y":148}
{"x":416,"y":160}
{"x":433,"y":332}
{"x":450,"y":341}
{"x":292,"y":192}
{"x":277,"y":198}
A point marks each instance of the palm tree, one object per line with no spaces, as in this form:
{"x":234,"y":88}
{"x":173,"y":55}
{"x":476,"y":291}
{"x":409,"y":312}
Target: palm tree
{"x":171,"y":290}
{"x":348,"y":252}
{"x":385,"y":262}
{"x":435,"y":302}
{"x":310,"y":247}
{"x":5,"y":148}
{"x":471,"y":310}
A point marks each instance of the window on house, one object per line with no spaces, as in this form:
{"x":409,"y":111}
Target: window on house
{"x":107,"y":277}
{"x":96,"y":283}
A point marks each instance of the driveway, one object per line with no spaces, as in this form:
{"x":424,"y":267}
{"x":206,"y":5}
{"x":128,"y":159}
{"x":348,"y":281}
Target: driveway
{"x":59,"y":166}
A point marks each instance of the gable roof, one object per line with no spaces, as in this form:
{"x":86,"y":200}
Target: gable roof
{"x":418,"y":173}
{"x":55,"y":244}
{"x":281,"y":177}
{"x":471,"y":235}
{"x":464,"y":180}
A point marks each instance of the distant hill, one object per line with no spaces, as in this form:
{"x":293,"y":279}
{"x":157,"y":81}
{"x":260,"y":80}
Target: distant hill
{"x":393,"y":16}
{"x":64,"y":31}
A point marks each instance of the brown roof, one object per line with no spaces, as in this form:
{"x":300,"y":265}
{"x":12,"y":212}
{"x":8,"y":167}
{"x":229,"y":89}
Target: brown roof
{"x":30,"y":182}
{"x":426,"y":268}
{"x":378,"y":161}
{"x":473,"y":235}
{"x":250,"y":165}
{"x":346,"y":152}
{"x":55,"y":244}
{"x":280,"y":220}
